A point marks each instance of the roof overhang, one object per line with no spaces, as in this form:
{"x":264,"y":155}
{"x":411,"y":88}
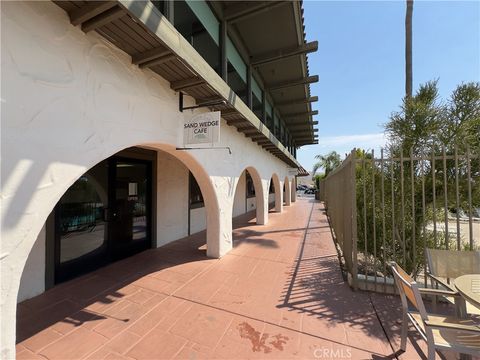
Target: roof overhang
{"x":142,"y":31}
{"x":273,"y":36}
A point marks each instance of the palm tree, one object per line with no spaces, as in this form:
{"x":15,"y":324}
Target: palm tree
{"x":408,"y":49}
{"x":328,"y":162}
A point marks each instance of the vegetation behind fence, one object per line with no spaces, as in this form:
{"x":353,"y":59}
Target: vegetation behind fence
{"x":394,"y":206}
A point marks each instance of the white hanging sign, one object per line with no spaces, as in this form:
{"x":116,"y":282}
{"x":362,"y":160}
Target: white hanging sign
{"x":202,"y":129}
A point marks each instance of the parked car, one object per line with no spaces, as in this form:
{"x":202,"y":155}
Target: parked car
{"x":476,"y":212}
{"x":310,"y":191}
{"x":462,"y":215}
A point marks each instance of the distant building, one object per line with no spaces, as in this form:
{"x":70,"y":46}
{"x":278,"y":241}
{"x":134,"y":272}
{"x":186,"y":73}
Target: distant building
{"x":94,"y":162}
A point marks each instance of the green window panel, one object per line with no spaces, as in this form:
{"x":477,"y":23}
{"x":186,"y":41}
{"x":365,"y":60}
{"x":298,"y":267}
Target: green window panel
{"x":257,"y":91}
{"x":207,"y":18}
{"x":269,"y":108}
{"x":236,"y":60}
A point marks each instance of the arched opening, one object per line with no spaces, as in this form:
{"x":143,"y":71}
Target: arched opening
{"x":249,"y":195}
{"x":278,"y":196}
{"x":136,"y":199}
{"x":287,"y":192}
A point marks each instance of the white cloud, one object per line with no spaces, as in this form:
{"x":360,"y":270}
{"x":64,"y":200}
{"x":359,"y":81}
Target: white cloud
{"x":364,"y":141}
{"x":341,"y":144}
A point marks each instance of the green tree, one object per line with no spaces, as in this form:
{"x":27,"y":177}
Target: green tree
{"x":416,"y":125}
{"x":424,"y":126}
{"x":328,"y":162}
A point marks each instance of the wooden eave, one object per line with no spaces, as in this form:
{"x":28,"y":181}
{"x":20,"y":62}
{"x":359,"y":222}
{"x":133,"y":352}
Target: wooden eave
{"x":141,"y":30}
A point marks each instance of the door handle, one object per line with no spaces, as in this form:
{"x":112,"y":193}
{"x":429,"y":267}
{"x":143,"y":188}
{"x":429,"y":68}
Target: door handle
{"x":109,"y":214}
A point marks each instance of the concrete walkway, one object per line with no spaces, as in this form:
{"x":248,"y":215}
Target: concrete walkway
{"x":278,"y":294}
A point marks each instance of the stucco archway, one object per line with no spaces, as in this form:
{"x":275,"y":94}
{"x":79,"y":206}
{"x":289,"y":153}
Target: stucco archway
{"x":261,"y":196}
{"x":66,"y":173}
{"x":200,"y":174}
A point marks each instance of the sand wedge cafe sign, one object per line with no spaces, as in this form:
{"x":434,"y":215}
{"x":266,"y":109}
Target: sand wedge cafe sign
{"x":202,"y":129}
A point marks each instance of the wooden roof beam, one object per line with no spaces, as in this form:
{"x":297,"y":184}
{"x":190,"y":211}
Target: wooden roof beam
{"x":269,"y":146}
{"x":149,"y":55}
{"x":290,"y":83}
{"x":103,"y":19}
{"x":262,"y":141}
{"x":294,"y":115}
{"x":186,"y":83}
{"x":301,"y":138}
{"x":300,"y":124}
{"x":157,"y":61}
{"x":298,"y":101}
{"x":208,"y":100}
{"x":302,"y":132}
{"x":90,"y":10}
{"x":236,"y":122}
{"x":244,"y":10}
{"x":284,"y":53}
{"x":229,"y":112}
{"x":251,"y":131}
{"x":255,"y":135}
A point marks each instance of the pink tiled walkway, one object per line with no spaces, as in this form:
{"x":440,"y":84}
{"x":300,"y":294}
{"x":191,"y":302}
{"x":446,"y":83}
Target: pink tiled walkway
{"x":278,"y":294}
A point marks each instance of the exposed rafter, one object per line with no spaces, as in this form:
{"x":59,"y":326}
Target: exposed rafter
{"x":298,"y":102}
{"x":246,"y":9}
{"x":208,"y":100}
{"x":300,"y":138}
{"x":284,"y":53}
{"x":300,"y":124}
{"x":158,"y":61}
{"x":295,"y":115}
{"x":149,"y":55}
{"x":186,"y":83}
{"x":305,"y":131}
{"x":290,"y":83}
{"x":103,"y":19}
{"x":90,"y":10}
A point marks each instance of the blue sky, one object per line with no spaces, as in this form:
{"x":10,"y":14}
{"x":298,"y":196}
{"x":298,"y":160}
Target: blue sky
{"x":360,"y":62}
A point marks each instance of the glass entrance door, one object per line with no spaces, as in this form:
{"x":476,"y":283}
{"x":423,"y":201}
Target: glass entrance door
{"x":104,"y":216}
{"x":81,"y":231}
{"x":129,"y":223}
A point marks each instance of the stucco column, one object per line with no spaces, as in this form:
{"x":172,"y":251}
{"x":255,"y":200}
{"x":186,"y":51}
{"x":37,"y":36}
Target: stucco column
{"x":279,"y":197}
{"x":294,"y":189}
{"x":219,"y":221}
{"x":8,"y":311}
{"x":288,"y":194}
{"x":11,"y":267}
{"x":262,"y":206}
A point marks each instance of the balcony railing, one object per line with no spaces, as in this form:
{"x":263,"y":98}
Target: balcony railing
{"x":393,"y":207}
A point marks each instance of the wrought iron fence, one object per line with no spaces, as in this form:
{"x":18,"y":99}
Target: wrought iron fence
{"x":395,"y":206}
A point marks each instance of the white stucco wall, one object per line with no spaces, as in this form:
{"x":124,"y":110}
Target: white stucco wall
{"x":251,"y":203}
{"x":198,"y":220}
{"x":271,"y":198}
{"x":32,"y":282}
{"x":70,"y":100}
{"x":172,"y":199}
